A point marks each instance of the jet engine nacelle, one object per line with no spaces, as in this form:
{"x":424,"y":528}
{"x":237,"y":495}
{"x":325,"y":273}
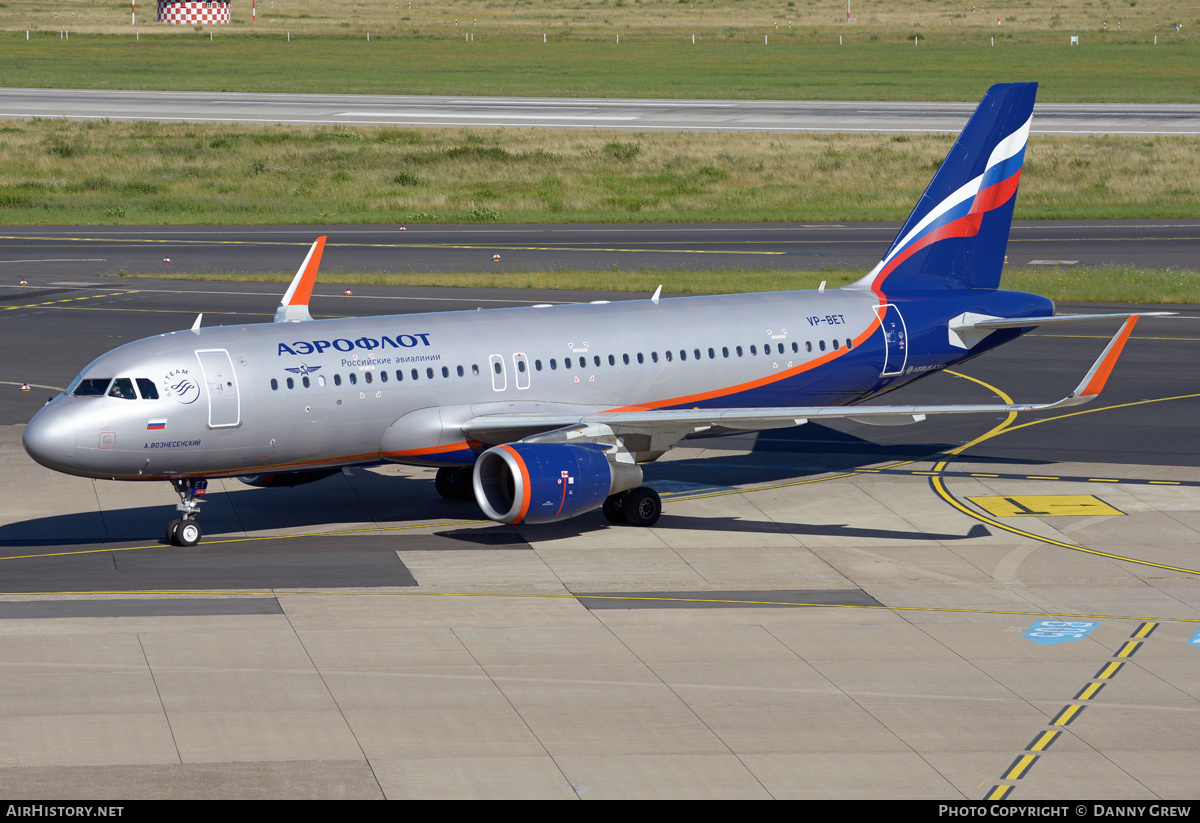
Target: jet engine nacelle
{"x":544,"y":482}
{"x":286,"y":478}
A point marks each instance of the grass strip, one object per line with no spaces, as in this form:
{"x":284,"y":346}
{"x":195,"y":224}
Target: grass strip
{"x":55,"y":172}
{"x":1085,"y":284}
{"x":793,"y":64}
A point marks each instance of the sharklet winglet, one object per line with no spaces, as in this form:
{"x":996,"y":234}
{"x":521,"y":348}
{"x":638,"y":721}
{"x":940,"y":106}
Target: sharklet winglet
{"x":293,"y":308}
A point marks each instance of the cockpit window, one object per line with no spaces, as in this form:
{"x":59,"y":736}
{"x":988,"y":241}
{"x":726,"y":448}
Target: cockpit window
{"x":92,"y":387}
{"x":123,"y":387}
{"x":147,"y":388}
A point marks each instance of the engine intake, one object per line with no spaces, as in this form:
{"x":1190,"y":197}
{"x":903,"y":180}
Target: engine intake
{"x":544,"y":482}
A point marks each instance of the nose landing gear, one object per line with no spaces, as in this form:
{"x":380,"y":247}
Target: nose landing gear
{"x":185,"y":531}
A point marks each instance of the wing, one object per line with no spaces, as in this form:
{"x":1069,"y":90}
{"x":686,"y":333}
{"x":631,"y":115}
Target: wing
{"x":659,"y":430}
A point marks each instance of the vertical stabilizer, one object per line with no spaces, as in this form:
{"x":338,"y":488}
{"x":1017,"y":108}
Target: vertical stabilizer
{"x":957,"y":234}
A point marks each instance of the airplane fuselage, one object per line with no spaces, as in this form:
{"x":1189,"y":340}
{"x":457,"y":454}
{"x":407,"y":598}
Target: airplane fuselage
{"x":285,"y":397}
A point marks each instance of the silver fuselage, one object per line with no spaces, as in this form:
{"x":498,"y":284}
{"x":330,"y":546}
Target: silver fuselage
{"x":284,"y":397}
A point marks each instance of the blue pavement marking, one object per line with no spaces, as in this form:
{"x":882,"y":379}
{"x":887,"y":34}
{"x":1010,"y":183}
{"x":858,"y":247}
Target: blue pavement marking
{"x":1195,"y":641}
{"x":1049,"y":632}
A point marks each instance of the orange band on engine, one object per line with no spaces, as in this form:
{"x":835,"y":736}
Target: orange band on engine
{"x":524,"y":483}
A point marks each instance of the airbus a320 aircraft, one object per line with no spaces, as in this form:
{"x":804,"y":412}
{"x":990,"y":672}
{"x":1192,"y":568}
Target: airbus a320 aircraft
{"x":545,"y":412}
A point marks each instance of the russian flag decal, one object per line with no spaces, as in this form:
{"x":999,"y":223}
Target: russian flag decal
{"x":156,"y":424}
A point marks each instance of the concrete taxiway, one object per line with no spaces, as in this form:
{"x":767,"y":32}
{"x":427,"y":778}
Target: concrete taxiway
{"x":821,"y":612}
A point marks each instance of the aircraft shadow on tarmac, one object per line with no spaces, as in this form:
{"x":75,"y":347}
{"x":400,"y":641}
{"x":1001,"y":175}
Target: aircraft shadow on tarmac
{"x":365,"y":497}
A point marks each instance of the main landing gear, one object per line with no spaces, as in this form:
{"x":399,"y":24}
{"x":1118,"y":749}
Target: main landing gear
{"x":185,"y":531}
{"x":455,"y":483}
{"x":637,"y":507}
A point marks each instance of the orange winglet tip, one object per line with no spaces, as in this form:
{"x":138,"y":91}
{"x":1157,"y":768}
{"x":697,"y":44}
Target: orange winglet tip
{"x":1095,"y":380}
{"x":301,"y":290}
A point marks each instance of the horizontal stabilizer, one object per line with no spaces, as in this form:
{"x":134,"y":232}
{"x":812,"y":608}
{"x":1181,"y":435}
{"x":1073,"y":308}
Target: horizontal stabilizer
{"x":968,"y":329}
{"x":293,"y":308}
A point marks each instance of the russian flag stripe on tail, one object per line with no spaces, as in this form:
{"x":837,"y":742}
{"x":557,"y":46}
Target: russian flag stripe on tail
{"x":956,"y":235}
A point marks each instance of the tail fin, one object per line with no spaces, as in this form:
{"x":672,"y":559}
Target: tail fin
{"x":956,"y":235}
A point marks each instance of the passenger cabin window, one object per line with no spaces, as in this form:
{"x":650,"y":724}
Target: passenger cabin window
{"x":274,"y":384}
{"x":92,"y":387}
{"x":147,"y":389}
{"x":337,"y":380}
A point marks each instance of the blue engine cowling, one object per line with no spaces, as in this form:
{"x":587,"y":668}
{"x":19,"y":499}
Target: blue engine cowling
{"x":544,"y":482}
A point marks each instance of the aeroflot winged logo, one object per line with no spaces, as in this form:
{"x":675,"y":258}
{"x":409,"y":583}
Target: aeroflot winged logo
{"x":343,"y":344}
{"x":304,"y":370}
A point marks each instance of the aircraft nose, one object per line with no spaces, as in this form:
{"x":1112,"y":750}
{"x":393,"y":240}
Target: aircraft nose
{"x":50,"y":438}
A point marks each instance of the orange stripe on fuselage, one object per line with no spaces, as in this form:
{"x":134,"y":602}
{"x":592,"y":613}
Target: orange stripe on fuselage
{"x":753,"y":384}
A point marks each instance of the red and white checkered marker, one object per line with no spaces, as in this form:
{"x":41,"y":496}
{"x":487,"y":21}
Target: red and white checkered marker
{"x":186,"y":12}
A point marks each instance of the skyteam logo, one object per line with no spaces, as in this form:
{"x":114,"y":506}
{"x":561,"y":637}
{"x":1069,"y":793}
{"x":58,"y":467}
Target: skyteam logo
{"x":180,"y":387}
